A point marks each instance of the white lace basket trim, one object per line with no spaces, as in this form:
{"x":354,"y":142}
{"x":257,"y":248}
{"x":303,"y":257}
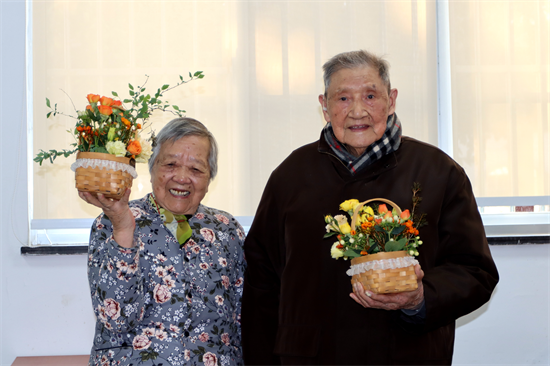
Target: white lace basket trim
{"x":104,"y":164}
{"x":392,"y":263}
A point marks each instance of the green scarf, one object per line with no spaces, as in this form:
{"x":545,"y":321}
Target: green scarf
{"x":177,"y":224}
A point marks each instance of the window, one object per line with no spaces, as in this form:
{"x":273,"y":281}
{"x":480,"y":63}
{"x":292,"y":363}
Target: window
{"x":262,"y":62}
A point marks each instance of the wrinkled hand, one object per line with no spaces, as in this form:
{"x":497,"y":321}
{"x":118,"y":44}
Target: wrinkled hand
{"x":118,"y":211}
{"x":401,"y":300}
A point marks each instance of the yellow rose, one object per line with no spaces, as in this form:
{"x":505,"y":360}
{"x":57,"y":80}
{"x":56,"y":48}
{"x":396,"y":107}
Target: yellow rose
{"x":345,"y":228}
{"x":349,"y":205}
{"x":369,"y":211}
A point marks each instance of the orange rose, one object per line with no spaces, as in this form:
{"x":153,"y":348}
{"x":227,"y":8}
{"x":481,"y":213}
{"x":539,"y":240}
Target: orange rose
{"x":117,"y":104}
{"x":382,"y":209}
{"x":106,"y":101}
{"x":105,"y":110}
{"x":405,"y":215}
{"x":92,"y":98}
{"x":134,"y":147}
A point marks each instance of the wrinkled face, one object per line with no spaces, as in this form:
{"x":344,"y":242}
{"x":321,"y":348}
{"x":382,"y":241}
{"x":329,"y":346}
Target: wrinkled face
{"x":358,"y":105}
{"x":181,"y":174}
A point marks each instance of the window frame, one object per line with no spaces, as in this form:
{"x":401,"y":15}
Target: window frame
{"x":70,"y":232}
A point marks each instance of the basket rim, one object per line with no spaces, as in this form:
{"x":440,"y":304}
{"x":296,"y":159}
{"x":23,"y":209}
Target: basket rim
{"x":103,"y":156}
{"x":379,"y":256}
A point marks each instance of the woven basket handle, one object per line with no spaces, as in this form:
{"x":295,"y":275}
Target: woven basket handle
{"x":358,"y":208}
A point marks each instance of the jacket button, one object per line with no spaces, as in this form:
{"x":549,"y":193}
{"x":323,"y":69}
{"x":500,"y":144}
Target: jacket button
{"x":186,"y":333}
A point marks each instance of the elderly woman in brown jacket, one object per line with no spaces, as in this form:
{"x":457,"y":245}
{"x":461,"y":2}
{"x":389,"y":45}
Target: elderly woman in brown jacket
{"x":298,"y":304}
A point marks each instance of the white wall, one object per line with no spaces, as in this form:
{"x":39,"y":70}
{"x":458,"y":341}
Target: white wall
{"x":45,"y":306}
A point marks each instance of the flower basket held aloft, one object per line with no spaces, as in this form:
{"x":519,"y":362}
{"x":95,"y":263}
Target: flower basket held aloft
{"x":110,"y":139}
{"x":381,"y":243}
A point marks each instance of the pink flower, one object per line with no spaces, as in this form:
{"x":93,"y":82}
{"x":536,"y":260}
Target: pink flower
{"x":222,"y":218}
{"x":161,"y":293}
{"x":174,"y":328}
{"x":141,"y":342}
{"x":210,"y":359}
{"x":150,"y":332}
{"x":204,"y":337}
{"x":225,"y":281}
{"x":219,"y":300}
{"x":136,"y":212}
{"x":222,"y":261}
{"x":161,"y":271}
{"x":196,"y":249}
{"x":161,"y":335}
{"x":169,"y":282}
{"x":239,"y":282}
{"x":208,"y":234}
{"x":122,"y":265}
{"x":199,"y":216}
{"x":101,"y":314}
{"x":382,"y":209}
{"x":187,"y":355}
{"x":225,"y":339}
{"x":240,"y":233}
{"x":112,"y":308}
{"x":203,"y":266}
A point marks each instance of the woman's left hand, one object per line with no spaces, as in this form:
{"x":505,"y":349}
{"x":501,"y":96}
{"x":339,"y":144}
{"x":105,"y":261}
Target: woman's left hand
{"x":401,"y":300}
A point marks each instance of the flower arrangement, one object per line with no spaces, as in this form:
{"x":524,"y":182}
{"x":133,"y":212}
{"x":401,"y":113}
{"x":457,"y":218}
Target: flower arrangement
{"x":378,"y":229}
{"x":109,"y":125}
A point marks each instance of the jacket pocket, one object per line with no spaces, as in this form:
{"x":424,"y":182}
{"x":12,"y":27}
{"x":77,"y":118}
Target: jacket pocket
{"x":297,"y":340}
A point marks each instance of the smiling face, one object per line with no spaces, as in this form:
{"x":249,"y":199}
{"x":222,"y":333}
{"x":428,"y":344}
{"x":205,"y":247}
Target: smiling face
{"x":181,"y":174}
{"x":358,"y":105}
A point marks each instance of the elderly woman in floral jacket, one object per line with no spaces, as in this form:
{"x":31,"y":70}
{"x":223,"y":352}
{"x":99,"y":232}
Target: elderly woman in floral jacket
{"x":165,"y":271}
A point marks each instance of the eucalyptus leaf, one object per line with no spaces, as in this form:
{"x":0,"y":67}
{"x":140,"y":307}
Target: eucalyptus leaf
{"x":394,"y":246}
{"x":351,"y":253}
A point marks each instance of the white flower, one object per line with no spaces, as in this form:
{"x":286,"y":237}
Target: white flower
{"x":116,"y":148}
{"x":146,"y":151}
{"x":411,"y":252}
{"x":341,"y":219}
{"x":351,"y":240}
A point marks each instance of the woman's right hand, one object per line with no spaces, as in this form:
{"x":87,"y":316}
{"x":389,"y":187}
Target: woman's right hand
{"x":118,"y":211}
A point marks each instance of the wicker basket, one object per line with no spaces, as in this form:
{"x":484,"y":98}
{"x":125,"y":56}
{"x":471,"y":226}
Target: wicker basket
{"x":389,"y":280}
{"x":111,"y":183}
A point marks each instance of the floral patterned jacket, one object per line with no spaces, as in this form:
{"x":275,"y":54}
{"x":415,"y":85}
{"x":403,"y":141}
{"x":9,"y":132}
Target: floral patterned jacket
{"x":159,"y":304}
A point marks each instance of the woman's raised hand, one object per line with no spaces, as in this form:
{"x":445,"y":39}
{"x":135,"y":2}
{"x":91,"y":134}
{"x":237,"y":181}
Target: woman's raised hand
{"x":118,"y":212}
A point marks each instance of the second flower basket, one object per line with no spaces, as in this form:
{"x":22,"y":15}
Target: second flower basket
{"x":383,"y":272}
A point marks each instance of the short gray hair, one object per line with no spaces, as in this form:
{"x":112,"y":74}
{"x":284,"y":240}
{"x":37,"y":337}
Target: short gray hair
{"x":182,"y":127}
{"x":353,"y":59}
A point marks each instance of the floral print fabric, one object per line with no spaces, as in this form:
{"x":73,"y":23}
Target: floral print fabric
{"x":159,"y":304}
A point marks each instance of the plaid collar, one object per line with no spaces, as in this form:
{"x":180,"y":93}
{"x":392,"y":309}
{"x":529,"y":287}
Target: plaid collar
{"x":389,"y":142}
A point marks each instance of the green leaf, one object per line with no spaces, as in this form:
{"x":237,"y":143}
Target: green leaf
{"x":48,"y":102}
{"x":130,"y":86}
{"x":393,"y":246}
{"x":176,"y":107}
{"x":115,"y":93}
{"x":329,"y":234}
{"x":190,"y":74}
{"x":398,"y":230}
{"x":131,"y":93}
{"x":352,"y":253}
{"x":165,"y":86}
{"x":197,"y":73}
{"x":48,"y":115}
{"x":127,"y":101}
{"x":201,"y":76}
